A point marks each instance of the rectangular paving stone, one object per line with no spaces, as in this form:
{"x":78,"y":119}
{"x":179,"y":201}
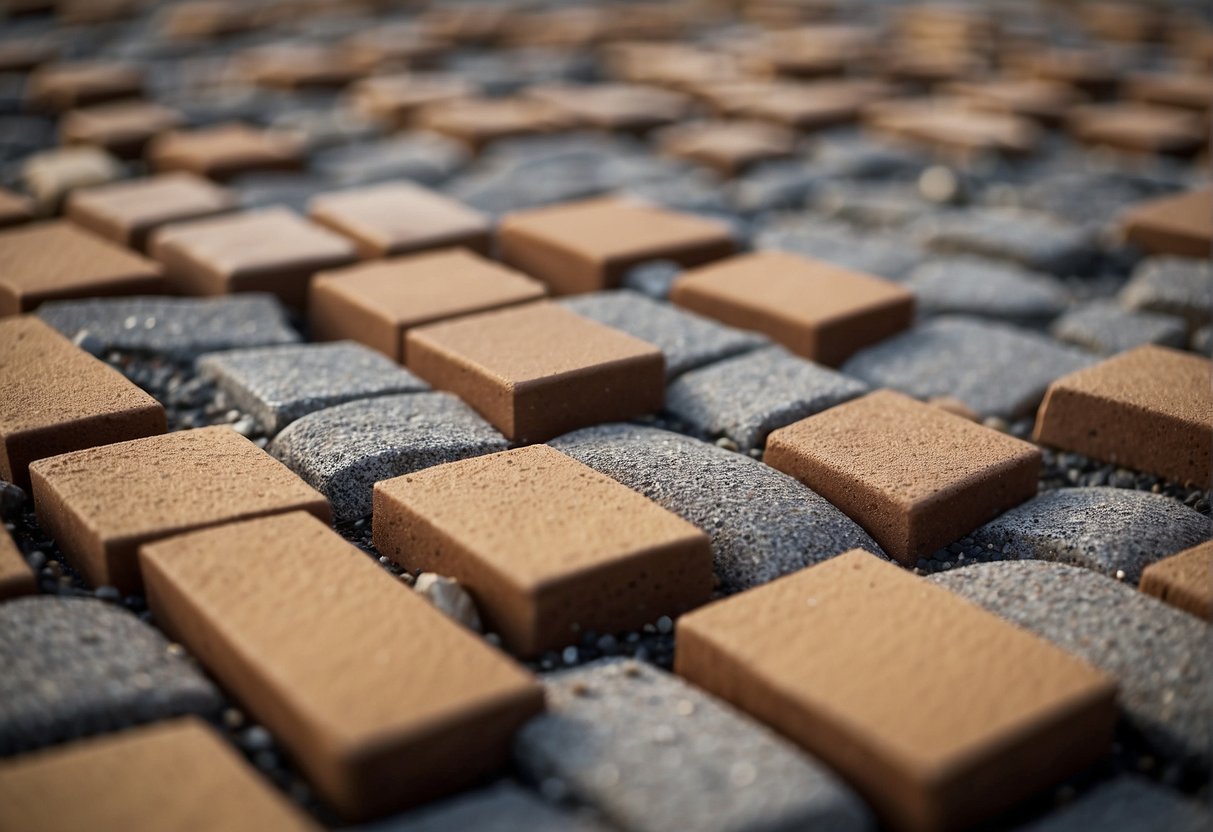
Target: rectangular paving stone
{"x":816,"y":309}
{"x":914,"y":476}
{"x":951,"y":127}
{"x":397,"y":98}
{"x":16,"y":577}
{"x":100,"y":504}
{"x":655,"y":754}
{"x":549,"y":547}
{"x":128,"y":212}
{"x":1189,"y":90}
{"x":203,"y":784}
{"x":631,"y":108}
{"x":223,"y":151}
{"x":378,"y":303}
{"x":1149,"y":409}
{"x":272,"y":250}
{"x":277,"y":385}
{"x":15,"y":208}
{"x":1184,"y":580}
{"x":58,"y":398}
{"x":382,"y":700}
{"x":538,"y":370}
{"x":477,"y":122}
{"x":51,"y":260}
{"x":61,"y":86}
{"x":833,"y":657}
{"x":122,"y":128}
{"x":728,"y":147}
{"x":400,"y":218}
{"x":1139,"y":128}
{"x":1181,"y":225}
{"x":589,"y":246}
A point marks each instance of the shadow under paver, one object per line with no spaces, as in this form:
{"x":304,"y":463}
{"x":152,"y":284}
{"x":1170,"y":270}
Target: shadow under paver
{"x":996,"y":370}
{"x":762,"y":523}
{"x":1157,"y":654}
{"x":655,"y":754}
{"x":504,"y":807}
{"x":74,"y":667}
{"x":278,"y":385}
{"x":1126,"y":804}
{"x":343,"y":451}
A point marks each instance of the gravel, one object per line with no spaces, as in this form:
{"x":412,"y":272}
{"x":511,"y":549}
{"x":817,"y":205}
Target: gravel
{"x":988,"y":289}
{"x":1174,"y":286}
{"x":1035,"y":241}
{"x":1104,"y":326}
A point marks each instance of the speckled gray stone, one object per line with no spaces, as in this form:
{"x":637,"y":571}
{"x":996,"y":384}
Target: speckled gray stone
{"x":1104,"y":326}
{"x":995,"y":369}
{"x":1202,"y":341}
{"x":177,"y":328}
{"x":871,"y":204}
{"x":1036,"y":241}
{"x":1108,"y":530}
{"x":746,"y":397}
{"x":504,"y":807}
{"x":685,"y":339}
{"x":344,"y":450}
{"x":1173,"y":285}
{"x":653,"y":279}
{"x":655,"y":754}
{"x":277,"y":385}
{"x":426,"y":158}
{"x":762,"y":523}
{"x":1095,"y":198}
{"x":988,"y":289}
{"x":1158,"y":654}
{"x":887,"y":255}
{"x":73,"y":667}
{"x":1126,"y":804}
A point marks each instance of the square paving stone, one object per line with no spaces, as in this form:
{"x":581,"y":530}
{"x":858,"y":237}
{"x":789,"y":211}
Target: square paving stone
{"x":1186,"y":89}
{"x":203,"y":778}
{"x":277,"y":385}
{"x":225,"y":150}
{"x":57,"y":87}
{"x":504,"y":807}
{"x":1035,"y":241}
{"x":1139,"y":128}
{"x":397,"y":98}
{"x":538,"y":370}
{"x":377,"y":303}
{"x":1180,"y":225}
{"x":16,"y":576}
{"x":988,"y":289}
{"x":815,"y":309}
{"x":914,"y":476}
{"x":655,"y":754}
{"x":343,"y":451}
{"x":686,"y":340}
{"x":1104,"y":326}
{"x":728,"y":147}
{"x":50,"y":260}
{"x":101,"y":504}
{"x":746,"y":397}
{"x":79,"y":666}
{"x":122,"y":128}
{"x":1173,"y":286}
{"x":15,"y":208}
{"x":399,"y":218}
{"x":582,"y":552}
{"x":994,"y":369}
{"x":1126,"y":804}
{"x":128,"y":212}
{"x":58,"y":398}
{"x":952,"y":128}
{"x":589,"y":246}
{"x":271,"y":250}
{"x":632,"y":108}
{"x":833,"y":657}
{"x":1183,"y":580}
{"x":1150,"y":409}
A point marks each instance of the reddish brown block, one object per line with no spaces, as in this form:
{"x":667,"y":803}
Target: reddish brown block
{"x":1085,"y":69}
{"x":804,"y":106}
{"x":1181,"y":225}
{"x":400,"y":218}
{"x":631,"y":108}
{"x":14,"y":208}
{"x":478,"y":121}
{"x":816,"y":309}
{"x":953,"y":127}
{"x":1184,"y":580}
{"x":377,"y":724}
{"x":128,"y":212}
{"x":588,"y":246}
{"x":581,"y":551}
{"x":55,"y":260}
{"x":64,"y":86}
{"x":100,"y":504}
{"x":102,"y":785}
{"x":913,"y":475}
{"x":1149,"y":409}
{"x":378,"y":303}
{"x":834,"y":657}
{"x":122,"y":128}
{"x":16,"y":577}
{"x":1140,"y":128}
{"x":396,"y":99}
{"x":24,"y":54}
{"x":539,"y":370}
{"x":1048,"y":102}
{"x":296,"y":66}
{"x":225,"y":151}
{"x":728,"y":147}
{"x":273,"y":250}
{"x":1189,"y":90}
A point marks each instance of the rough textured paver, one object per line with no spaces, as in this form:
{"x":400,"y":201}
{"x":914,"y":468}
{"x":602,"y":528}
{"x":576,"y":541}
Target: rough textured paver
{"x":177,"y":328}
{"x":78,"y":666}
{"x":763,"y":524}
{"x":1174,"y":285}
{"x":889,"y":255}
{"x":1126,"y":804}
{"x":654,"y":753}
{"x":1157,"y":654}
{"x":746,"y":397}
{"x":986,"y":288}
{"x":996,"y":370}
{"x":1104,"y":326}
{"x":685,"y":339}
{"x":504,"y":807}
{"x":1036,"y":241}
{"x":344,"y":450}
{"x":278,"y":385}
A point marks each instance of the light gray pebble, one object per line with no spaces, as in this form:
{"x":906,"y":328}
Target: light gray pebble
{"x":503,"y":807}
{"x":1104,"y":326}
{"x":988,"y":289}
{"x":269,"y":189}
{"x":1174,"y":286}
{"x":1035,"y":241}
{"x":426,"y":158}
{"x":888,"y":254}
{"x":655,"y":754}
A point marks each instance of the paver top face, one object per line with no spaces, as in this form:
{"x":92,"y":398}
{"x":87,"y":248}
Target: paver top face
{"x":135,"y":204}
{"x":397,"y":214}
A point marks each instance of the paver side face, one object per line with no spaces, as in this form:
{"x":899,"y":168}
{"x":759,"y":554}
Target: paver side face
{"x":1184,"y":580}
{"x":1180,"y":225}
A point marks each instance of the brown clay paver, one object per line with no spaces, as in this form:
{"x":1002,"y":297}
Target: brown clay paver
{"x":728,"y":147}
{"x":59,"y":87}
{"x":1181,"y":224}
{"x":224,"y":151}
{"x":14,"y":208}
{"x":122,"y":128}
{"x":16,"y":577}
{"x":1184,"y":580}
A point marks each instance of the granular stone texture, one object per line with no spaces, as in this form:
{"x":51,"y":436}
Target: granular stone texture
{"x":1114,"y":531}
{"x":76,"y":666}
{"x":986,"y":288}
{"x":1126,"y":804}
{"x":685,"y":339}
{"x":1104,"y":326}
{"x":1097,"y":198}
{"x":1036,"y":241}
{"x":176,"y":328}
{"x":419,"y":157}
{"x":762,"y":523}
{"x":995,"y":369}
{"x":888,"y":255}
{"x":344,"y":450}
{"x":746,"y":397}
{"x":503,"y":807}
{"x":277,"y":385}
{"x":655,"y":754}
{"x":1173,"y":285}
{"x":1157,"y":654}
